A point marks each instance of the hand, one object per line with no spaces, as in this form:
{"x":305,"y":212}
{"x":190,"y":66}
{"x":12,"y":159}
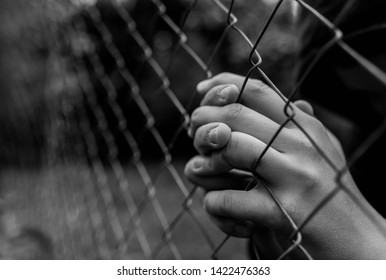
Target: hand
{"x":230,"y":137}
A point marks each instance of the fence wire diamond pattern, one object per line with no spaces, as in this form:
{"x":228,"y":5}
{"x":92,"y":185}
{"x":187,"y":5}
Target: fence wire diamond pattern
{"x":128,"y":189}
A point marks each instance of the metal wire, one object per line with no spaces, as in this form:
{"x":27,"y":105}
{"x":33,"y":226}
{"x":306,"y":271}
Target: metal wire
{"x":123,"y":182}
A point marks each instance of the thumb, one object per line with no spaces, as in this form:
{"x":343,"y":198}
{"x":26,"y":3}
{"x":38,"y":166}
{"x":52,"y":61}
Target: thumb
{"x":256,"y":206}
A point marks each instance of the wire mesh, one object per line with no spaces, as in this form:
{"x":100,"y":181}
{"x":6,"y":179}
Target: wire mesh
{"x":119,"y":178}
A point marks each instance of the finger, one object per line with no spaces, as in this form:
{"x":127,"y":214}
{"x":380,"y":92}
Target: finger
{"x":305,"y":106}
{"x":263,"y":239}
{"x":242,"y":119}
{"x":221,"y":95}
{"x":234,"y":179}
{"x":212,"y":136}
{"x":255,"y":206}
{"x":237,"y":228}
{"x":256,"y":95}
{"x":241,"y":152}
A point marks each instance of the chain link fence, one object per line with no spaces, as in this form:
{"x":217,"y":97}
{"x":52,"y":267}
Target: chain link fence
{"x":103,"y":176}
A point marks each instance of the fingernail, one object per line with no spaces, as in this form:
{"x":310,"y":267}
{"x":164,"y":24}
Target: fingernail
{"x":223,"y":94}
{"x":213,"y":135}
{"x":197,"y":164}
{"x":201,"y":86}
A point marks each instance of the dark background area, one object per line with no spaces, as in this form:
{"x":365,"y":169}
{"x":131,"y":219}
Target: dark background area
{"x":45,"y":159}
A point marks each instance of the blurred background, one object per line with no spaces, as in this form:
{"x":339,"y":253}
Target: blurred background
{"x":95,"y":98}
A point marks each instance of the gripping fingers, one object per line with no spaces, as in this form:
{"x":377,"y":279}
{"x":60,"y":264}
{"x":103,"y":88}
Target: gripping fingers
{"x":241,"y":152}
{"x":221,"y":95}
{"x":263,"y":238}
{"x":211,"y":137}
{"x":257,"y":95}
{"x":234,"y":179}
{"x":242,"y":119}
{"x":224,"y":89}
{"x":255,"y":206}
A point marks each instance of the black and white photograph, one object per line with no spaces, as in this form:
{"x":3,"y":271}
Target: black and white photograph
{"x":218,"y":130}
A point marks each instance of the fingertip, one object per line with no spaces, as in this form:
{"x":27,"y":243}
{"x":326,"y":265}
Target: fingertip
{"x":194,"y":121}
{"x":202,"y":86}
{"x":220,"y":203}
{"x":194,"y":167}
{"x":229,"y":93}
{"x":197,"y":163}
{"x":188,"y":171}
{"x":255,"y":206}
{"x":209,"y":200}
{"x":222,"y":136}
{"x":305,"y":106}
{"x":221,"y":95}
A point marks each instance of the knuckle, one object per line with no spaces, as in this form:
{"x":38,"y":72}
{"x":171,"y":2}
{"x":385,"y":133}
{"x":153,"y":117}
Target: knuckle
{"x":224,"y":76}
{"x":195,"y":117}
{"x":304,"y":140}
{"x":201,"y":138}
{"x":315,"y":126}
{"x":259,"y":86}
{"x":319,"y":127}
{"x":306,"y":174}
{"x":233,"y":111}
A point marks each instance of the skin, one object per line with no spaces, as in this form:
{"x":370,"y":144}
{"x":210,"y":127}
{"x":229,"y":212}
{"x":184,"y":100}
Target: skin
{"x":230,"y":137}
